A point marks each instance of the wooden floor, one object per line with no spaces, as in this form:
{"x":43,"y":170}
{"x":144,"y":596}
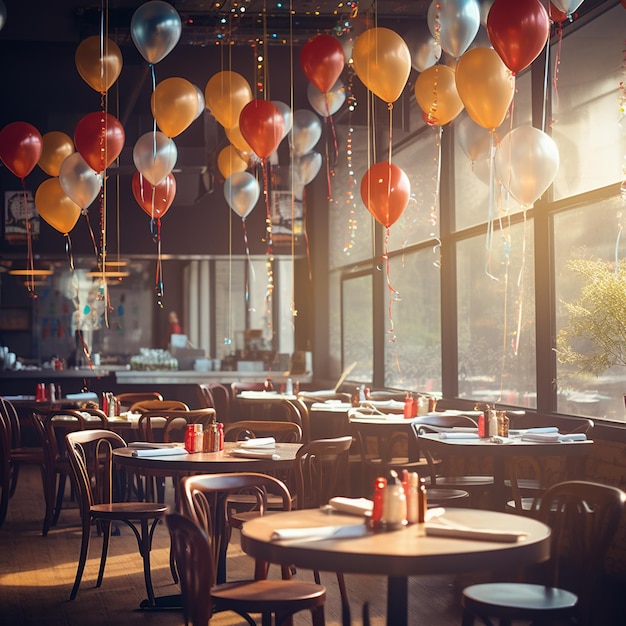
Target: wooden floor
{"x":37,"y":573}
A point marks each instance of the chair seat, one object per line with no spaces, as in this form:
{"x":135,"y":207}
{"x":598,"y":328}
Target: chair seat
{"x":269,"y":595}
{"x":437,"y":496}
{"x":502,"y":598}
{"x":463,"y":482}
{"x":129,"y":510}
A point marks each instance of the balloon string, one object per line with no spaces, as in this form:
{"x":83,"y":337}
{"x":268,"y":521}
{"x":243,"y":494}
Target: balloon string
{"x":490,"y":221}
{"x":250,"y":265}
{"x":306,"y":236}
{"x":329,"y":189}
{"x":158,"y":284}
{"x":390,"y":109}
{"x":520,"y":286}
{"x":68,"y":251}
{"x":620,"y":228}
{"x":91,"y":233}
{"x":394,"y":295}
{"x":84,"y":347}
{"x":557,"y":64}
{"x":30,"y":261}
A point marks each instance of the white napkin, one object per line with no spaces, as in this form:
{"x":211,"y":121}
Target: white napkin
{"x":254,"y":454}
{"x":318,"y":533}
{"x":148,"y":452}
{"x":553,"y":437}
{"x":257,"y":394}
{"x":443,"y":529}
{"x":259,"y":442}
{"x":457,"y":435}
{"x":354,"y":506}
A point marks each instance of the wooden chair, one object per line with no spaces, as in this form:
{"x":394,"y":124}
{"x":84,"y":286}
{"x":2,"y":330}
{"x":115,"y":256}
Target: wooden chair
{"x":283,"y":432}
{"x":144,"y":406}
{"x":193,"y":548}
{"x":215,"y":396}
{"x":127,"y":399}
{"x":245,"y":410}
{"x":584,"y":517}
{"x":90,"y":453}
{"x":5,"y":467}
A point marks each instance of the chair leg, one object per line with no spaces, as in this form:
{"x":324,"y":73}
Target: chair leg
{"x":15,"y":471}
{"x":343,"y":592}
{"x":49,"y":488}
{"x":318,"y":616}
{"x":59,"y":500}
{"x":106,"y":537}
{"x":84,"y":548}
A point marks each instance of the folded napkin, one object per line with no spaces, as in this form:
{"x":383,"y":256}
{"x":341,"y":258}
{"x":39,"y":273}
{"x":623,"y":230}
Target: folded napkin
{"x":354,"y":506}
{"x":148,"y":452}
{"x":458,"y":435}
{"x":318,"y":533}
{"x":254,"y":454}
{"x":257,"y":394}
{"x":442,"y":529}
{"x":259,"y":442}
{"x":83,"y":395}
{"x":553,"y":437}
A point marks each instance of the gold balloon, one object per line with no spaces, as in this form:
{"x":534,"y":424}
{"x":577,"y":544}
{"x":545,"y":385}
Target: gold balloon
{"x":485,"y":85}
{"x":98,"y":63}
{"x":56,"y":146}
{"x":230,"y":161}
{"x":435,"y":92}
{"x":236,"y":138}
{"x":174,"y":105}
{"x":55,"y":206}
{"x":382,"y":60}
{"x":226,"y":93}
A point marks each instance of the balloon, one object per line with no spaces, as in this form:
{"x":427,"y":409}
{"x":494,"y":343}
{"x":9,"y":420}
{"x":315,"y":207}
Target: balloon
{"x":424,"y":49}
{"x":381,"y":59}
{"x":262,"y":126}
{"x":99,"y":137}
{"x":285,"y":111}
{"x":79,"y":181}
{"x":306,"y":131}
{"x":236,"y":138}
{"x":567,"y":6}
{"x":20,"y":147}
{"x":322,"y":61}
{"x":226,"y":93}
{"x":474,"y":140}
{"x":201,"y":104}
{"x":435,"y":92}
{"x":174,"y":105}
{"x":557,"y":16}
{"x":155,"y":200}
{"x":56,"y":146}
{"x":155,"y":29}
{"x":307,"y":167}
{"x":485,"y":6}
{"x":326,"y":104}
{"x":3,"y":14}
{"x":241,"y":191}
{"x":526,"y":162}
{"x":457,"y":22}
{"x":385,"y":191}
{"x":230,"y":161}
{"x":485,"y":85}
{"x":55,"y":206}
{"x":98,"y":62}
{"x":155,"y":156}
{"x":518,"y":31}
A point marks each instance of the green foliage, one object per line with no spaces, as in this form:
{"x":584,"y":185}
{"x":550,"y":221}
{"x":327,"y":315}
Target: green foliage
{"x":594,"y":338}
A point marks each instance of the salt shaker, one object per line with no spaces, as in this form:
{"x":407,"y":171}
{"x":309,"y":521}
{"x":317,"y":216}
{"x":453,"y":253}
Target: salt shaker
{"x":394,"y":503}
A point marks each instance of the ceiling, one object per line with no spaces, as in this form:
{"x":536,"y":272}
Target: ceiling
{"x":204,"y":20}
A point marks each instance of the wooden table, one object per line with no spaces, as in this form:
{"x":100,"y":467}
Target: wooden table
{"x":573,"y":451}
{"x":398,"y":554}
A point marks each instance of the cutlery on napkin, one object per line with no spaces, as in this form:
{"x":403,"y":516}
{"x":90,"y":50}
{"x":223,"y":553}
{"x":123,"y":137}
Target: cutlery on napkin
{"x":254,"y":454}
{"x":148,"y":452}
{"x":553,"y":437}
{"x":353,"y":506}
{"x":443,"y":528}
{"x":457,"y":435}
{"x":317,"y":533}
{"x":259,"y":442}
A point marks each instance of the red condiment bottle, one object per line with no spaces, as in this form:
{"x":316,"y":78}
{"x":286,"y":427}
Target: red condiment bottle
{"x":376,"y":521}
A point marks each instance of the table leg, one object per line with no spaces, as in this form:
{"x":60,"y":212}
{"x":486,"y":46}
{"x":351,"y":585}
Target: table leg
{"x":498,"y":499}
{"x":397,"y":601}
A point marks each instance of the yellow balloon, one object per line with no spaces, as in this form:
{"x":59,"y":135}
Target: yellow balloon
{"x":236,"y":138}
{"x":56,"y":146}
{"x":174,"y":105}
{"x":226,"y":93}
{"x":382,"y":60}
{"x":230,"y":161}
{"x":435,"y":92}
{"x":485,"y":85}
{"x":55,"y":206}
{"x":99,"y":63}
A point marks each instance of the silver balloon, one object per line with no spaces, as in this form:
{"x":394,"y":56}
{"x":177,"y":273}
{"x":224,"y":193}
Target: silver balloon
{"x":201,"y":103}
{"x":567,"y":6}
{"x":458,"y":23}
{"x":485,"y":5}
{"x":3,"y":14}
{"x":329,"y":103}
{"x":155,"y":155}
{"x":306,"y":131}
{"x":79,"y":181}
{"x":155,"y":29}
{"x":425,"y":51}
{"x":475,"y":140}
{"x":307,"y":167}
{"x":241,"y":191}
{"x":285,"y":111}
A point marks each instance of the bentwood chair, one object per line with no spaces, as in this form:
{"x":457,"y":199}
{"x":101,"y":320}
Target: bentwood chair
{"x":215,"y":396}
{"x":91,"y":459}
{"x":144,"y":406}
{"x":584,"y":517}
{"x":128,"y":398}
{"x":283,"y":432}
{"x":5,"y":467}
{"x":194,"y":548}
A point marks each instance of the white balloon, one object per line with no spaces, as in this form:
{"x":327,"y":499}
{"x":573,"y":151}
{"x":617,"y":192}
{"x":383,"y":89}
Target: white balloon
{"x":307,"y":167}
{"x":79,"y":181}
{"x":3,"y":14}
{"x":285,"y":111}
{"x":458,"y":23}
{"x":475,"y":140}
{"x":329,"y":103}
{"x":306,"y":131}
{"x":567,"y":6}
{"x":155,"y":155}
{"x":425,"y":51}
{"x":241,"y":191}
{"x":485,"y":5}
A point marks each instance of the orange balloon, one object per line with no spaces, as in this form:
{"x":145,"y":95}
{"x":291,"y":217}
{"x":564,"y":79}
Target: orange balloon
{"x":485,"y":85}
{"x":236,"y":138}
{"x":230,"y":161}
{"x":226,"y":93}
{"x":56,"y":146}
{"x":174,"y":105}
{"x":382,"y":60}
{"x":55,"y":206}
{"x":385,"y":191}
{"x":99,"y":63}
{"x":435,"y":92}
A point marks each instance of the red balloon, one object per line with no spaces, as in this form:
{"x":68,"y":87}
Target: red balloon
{"x":21,"y":145}
{"x":518,"y":31}
{"x":262,"y":126}
{"x":99,"y":138}
{"x":385,"y":191}
{"x":163,"y":194}
{"x":322,"y":61}
{"x":558,"y":17}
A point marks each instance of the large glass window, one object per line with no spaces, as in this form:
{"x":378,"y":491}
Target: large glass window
{"x":357,"y":325}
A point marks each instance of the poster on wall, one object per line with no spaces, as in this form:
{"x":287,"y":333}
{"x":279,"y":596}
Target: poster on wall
{"x":287,"y":218}
{"x":19,"y":215}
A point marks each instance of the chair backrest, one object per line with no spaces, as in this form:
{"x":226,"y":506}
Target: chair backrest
{"x":192,"y":550}
{"x":13,"y":422}
{"x":170,"y":425}
{"x":5,"y":465}
{"x":284,"y":432}
{"x":442,"y":421}
{"x":204,"y":499}
{"x":320,"y":471}
{"x":128,"y":398}
{"x":144,"y":406}
{"x":584,"y":517}
{"x":566,"y":425}
{"x":91,"y":460}
{"x":215,"y":396}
